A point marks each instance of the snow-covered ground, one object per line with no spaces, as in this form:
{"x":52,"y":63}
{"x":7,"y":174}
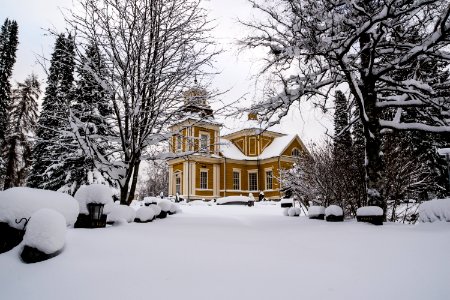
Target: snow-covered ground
{"x":239,"y":252}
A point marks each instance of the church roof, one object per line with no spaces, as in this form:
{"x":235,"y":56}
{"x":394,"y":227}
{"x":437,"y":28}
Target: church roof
{"x":275,"y":149}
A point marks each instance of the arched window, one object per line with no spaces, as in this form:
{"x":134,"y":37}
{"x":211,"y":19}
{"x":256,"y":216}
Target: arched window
{"x":295,"y":152}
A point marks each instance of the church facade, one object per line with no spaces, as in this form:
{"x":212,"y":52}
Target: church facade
{"x":208,"y":165}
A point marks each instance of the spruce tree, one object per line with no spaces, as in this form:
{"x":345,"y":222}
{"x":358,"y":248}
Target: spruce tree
{"x":8,"y":48}
{"x":91,"y":110}
{"x":49,"y":170}
{"x":22,"y":123}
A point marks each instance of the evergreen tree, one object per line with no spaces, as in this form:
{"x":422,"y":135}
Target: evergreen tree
{"x":91,"y":110}
{"x":8,"y":48}
{"x":49,"y":170}
{"x":22,"y":122}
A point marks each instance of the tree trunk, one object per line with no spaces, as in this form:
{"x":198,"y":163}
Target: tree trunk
{"x":10,"y":165}
{"x":372,"y":128}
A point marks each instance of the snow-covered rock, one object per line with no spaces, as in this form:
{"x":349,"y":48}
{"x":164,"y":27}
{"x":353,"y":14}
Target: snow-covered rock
{"x":333,"y":210}
{"x":435,"y":210}
{"x":315,"y":211}
{"x":145,"y":214}
{"x":94,"y":193}
{"x":233,"y":199}
{"x":121,"y":212}
{"x":369,"y":211}
{"x":21,"y":202}
{"x":46,"y":231}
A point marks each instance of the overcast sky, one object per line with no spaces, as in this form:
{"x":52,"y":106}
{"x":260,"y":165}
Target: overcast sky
{"x":237,"y":70}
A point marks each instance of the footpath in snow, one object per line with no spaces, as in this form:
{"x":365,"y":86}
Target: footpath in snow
{"x":239,"y":252}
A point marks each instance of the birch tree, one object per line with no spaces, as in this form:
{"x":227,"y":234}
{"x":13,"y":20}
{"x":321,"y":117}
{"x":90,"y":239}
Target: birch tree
{"x":316,"y":46}
{"x":152,"y":49}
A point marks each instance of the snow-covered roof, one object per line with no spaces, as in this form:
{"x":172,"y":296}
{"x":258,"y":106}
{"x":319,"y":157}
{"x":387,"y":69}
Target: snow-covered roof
{"x":276,"y":148}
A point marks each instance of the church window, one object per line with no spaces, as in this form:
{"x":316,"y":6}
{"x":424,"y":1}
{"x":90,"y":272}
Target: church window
{"x":203,"y":180}
{"x":253,"y":181}
{"x":269,"y":180}
{"x":204,"y":142}
{"x":236,"y":180}
{"x":295,"y":152}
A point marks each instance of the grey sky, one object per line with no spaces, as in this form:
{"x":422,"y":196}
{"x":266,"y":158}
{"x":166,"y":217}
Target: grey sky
{"x":237,"y":69}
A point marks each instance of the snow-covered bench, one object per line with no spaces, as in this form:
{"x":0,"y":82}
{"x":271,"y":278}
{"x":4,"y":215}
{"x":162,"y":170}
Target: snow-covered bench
{"x":235,"y":200}
{"x":370,"y":214}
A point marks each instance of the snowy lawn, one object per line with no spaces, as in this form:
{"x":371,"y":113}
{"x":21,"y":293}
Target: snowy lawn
{"x":239,"y":252}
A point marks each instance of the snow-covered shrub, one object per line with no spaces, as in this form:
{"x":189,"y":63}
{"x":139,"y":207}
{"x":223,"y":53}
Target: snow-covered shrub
{"x":174,"y":209}
{"x":286,"y":202}
{"x":156,"y":209}
{"x":316,"y":212}
{"x":233,"y":200}
{"x":291,"y":212}
{"x":46,"y":232}
{"x":333,"y":210}
{"x":334,"y":213}
{"x":369,"y":211}
{"x":21,"y":202}
{"x":151,"y":200}
{"x":145,"y":214}
{"x":286,"y":211}
{"x":298,"y":211}
{"x":121,"y":212}
{"x":435,"y":210}
{"x":94,"y":193}
{"x":165,"y":205}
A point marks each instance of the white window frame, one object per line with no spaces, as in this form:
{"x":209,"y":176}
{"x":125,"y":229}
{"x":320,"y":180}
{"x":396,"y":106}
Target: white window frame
{"x":204,"y":149}
{"x":179,"y":143}
{"x":268,"y":188}
{"x":203,"y":187}
{"x":249,"y":186}
{"x":178,"y":184}
{"x":238,"y":186}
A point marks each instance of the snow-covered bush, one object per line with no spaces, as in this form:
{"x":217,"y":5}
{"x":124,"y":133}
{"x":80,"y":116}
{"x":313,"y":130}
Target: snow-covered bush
{"x":298,"y":211}
{"x":174,"y":209}
{"x":233,"y":200}
{"x":291,"y":212}
{"x":94,"y":193}
{"x":46,"y":232}
{"x":315,"y":212}
{"x":121,"y":212}
{"x":165,"y":205}
{"x":286,"y":211}
{"x":369,"y":211}
{"x":145,"y":214}
{"x":156,"y":209}
{"x":333,"y":210}
{"x":21,"y":202}
{"x":435,"y":210}
{"x":151,"y":200}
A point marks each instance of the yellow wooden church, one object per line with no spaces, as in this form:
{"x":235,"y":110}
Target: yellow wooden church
{"x":207,"y":165}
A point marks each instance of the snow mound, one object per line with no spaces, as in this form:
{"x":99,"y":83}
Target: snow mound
{"x":121,"y":212}
{"x":291,"y":212}
{"x":197,"y":203}
{"x":145,"y":214}
{"x":231,"y":199}
{"x":46,"y":231}
{"x":286,"y":211}
{"x":156,"y":209}
{"x":21,"y":202}
{"x":315,"y":211}
{"x":435,"y":210}
{"x":298,"y":211}
{"x":369,"y":211}
{"x":333,"y":210}
{"x":94,"y":193}
{"x":165,"y":205}
{"x":151,"y":200}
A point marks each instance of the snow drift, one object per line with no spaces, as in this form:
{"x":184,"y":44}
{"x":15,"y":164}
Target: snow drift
{"x":435,"y":210}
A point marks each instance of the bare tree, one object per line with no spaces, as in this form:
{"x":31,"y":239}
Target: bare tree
{"x":152,"y":51}
{"x":318,"y":45}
